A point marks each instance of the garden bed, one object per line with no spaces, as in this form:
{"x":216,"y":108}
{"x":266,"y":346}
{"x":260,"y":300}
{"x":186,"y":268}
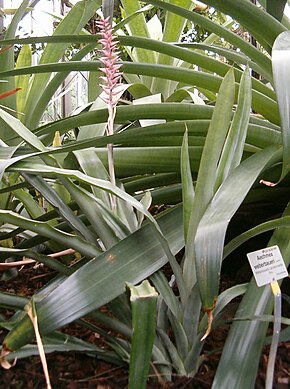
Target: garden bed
{"x":79,"y":371}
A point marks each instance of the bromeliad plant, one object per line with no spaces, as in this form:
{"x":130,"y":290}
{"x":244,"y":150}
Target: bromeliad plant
{"x":209,"y":156}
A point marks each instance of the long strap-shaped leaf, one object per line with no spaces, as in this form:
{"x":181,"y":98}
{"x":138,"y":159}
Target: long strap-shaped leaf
{"x":143,"y":301}
{"x":260,"y":229}
{"x":59,"y":205}
{"x":235,"y":143}
{"x":75,"y":20}
{"x":230,"y":157}
{"x":131,"y":161}
{"x":52,"y":86}
{"x":169,"y":111}
{"x":138,"y":27}
{"x":17,"y":127}
{"x":187,"y":184}
{"x":172,"y":32}
{"x":260,"y":24}
{"x":228,"y":35}
{"x":212,"y":228}
{"x":44,"y":229}
{"x":108,"y":8}
{"x":240,"y":358}
{"x":51,"y":263}
{"x":59,"y":342}
{"x":231,"y":55}
{"x":22,"y":82}
{"x":65,"y":175}
{"x":261,"y":103}
{"x":281,"y":61}
{"x":169,"y":50}
{"x":8,"y":61}
{"x":102,"y":279}
{"x":275,"y":8}
{"x":261,"y":133}
{"x":205,"y":185}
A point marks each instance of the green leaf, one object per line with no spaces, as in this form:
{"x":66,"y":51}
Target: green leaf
{"x":38,"y":182}
{"x":74,"y":21}
{"x":32,"y":207}
{"x":24,"y":59}
{"x":59,"y":342}
{"x":146,"y":200}
{"x":191,"y":319}
{"x":261,"y":103}
{"x":212,"y":228}
{"x":173,"y":353}
{"x":108,"y":8}
{"x":107,"y":186}
{"x":44,"y":229}
{"x":59,"y":204}
{"x":245,"y":341}
{"x":143,"y":301}
{"x":281,"y":60}
{"x":232,"y":56}
{"x":131,"y":260}
{"x":21,"y":130}
{"x":260,"y":24}
{"x":52,"y":86}
{"x":7,"y":58}
{"x":11,"y":301}
{"x":48,"y":261}
{"x":91,"y":165}
{"x":172,"y":32}
{"x":260,"y":229}
{"x":6,"y":157}
{"x":138,"y":27}
{"x":169,"y":111}
{"x":172,"y":50}
{"x":180,"y":336}
{"x":187,"y":184}
{"x":205,"y":184}
{"x":260,"y":134}
{"x":276,"y":8}
{"x":237,"y":41}
{"x":234,"y":145}
{"x":165,"y":290}
{"x":104,"y":223}
{"x":93,"y":86}
{"x":222,"y":302}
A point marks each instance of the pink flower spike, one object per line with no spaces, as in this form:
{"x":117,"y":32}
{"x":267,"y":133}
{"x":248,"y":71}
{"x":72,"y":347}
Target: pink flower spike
{"x":112,"y":86}
{"x":109,"y":58}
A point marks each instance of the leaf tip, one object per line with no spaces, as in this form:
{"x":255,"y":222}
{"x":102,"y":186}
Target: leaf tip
{"x":209,"y":325}
{"x":4,"y":352}
{"x":267,"y":183}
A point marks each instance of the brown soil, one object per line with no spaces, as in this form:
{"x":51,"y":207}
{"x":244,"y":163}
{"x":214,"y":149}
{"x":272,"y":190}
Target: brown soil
{"x":79,"y":371}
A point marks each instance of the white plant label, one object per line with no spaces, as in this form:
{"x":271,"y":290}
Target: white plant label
{"x":267,"y":265}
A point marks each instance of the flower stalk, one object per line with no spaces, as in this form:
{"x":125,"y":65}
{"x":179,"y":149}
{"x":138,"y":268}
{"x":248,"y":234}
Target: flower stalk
{"x":112,"y":86}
